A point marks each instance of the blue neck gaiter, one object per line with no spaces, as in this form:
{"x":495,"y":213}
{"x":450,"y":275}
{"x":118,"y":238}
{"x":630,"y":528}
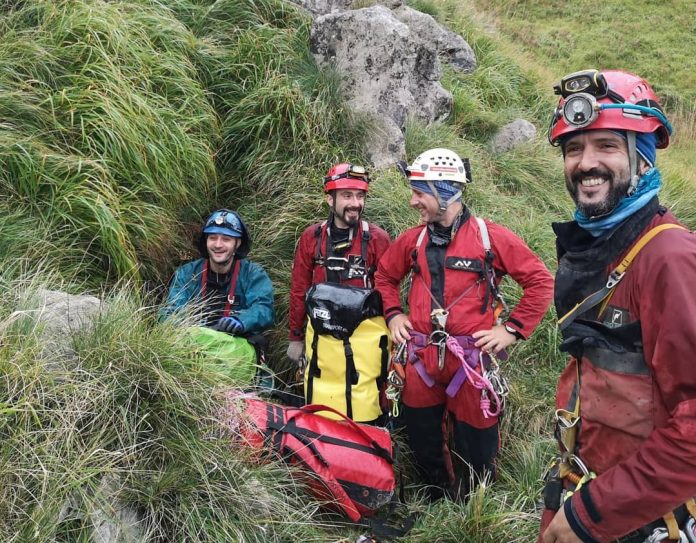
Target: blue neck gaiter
{"x":648,"y":186}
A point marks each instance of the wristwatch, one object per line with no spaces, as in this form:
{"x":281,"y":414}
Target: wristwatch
{"x":514,"y":332}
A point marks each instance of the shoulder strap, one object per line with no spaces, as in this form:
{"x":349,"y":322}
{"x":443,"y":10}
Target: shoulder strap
{"x":317,"y":236}
{"x":365,"y":241}
{"x":414,"y":253}
{"x":233,"y":284}
{"x":364,"y":244}
{"x":484,"y":234}
{"x":604,"y":294}
{"x":230,"y":292}
{"x":493,"y":296}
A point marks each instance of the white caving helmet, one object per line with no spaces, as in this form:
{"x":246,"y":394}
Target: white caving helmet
{"x":441,"y":167}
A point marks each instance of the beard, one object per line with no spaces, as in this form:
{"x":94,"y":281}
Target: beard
{"x":617,"y":191}
{"x":350,"y":221}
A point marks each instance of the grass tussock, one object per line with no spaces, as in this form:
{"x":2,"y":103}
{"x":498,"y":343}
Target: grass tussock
{"x":106,"y":129}
{"x":121,"y":411}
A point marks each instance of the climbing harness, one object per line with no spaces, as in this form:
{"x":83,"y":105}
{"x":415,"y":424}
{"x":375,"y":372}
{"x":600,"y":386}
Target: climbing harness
{"x":353,"y":265}
{"x":230,"y":293}
{"x":569,"y":466}
{"x":492,"y":399}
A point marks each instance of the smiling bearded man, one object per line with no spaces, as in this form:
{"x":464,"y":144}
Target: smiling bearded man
{"x":339,"y":253}
{"x":626,"y":401}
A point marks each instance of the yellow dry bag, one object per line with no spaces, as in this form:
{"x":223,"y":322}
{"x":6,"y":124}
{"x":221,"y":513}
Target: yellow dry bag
{"x":347,"y":346}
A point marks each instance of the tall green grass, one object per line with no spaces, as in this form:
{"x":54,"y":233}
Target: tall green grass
{"x":106,"y":129}
{"x":127,"y":414}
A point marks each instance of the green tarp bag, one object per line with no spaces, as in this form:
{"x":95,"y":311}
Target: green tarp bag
{"x":229,"y":355}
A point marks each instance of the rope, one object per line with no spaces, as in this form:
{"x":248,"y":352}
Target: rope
{"x":478,"y":381}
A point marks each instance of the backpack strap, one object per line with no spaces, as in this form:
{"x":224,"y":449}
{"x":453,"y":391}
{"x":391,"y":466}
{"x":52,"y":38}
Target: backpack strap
{"x":230,"y":292}
{"x":493,"y":296}
{"x":318,"y":259}
{"x":604,"y":294}
{"x":313,"y":369}
{"x":352,"y":376}
{"x":364,"y":244}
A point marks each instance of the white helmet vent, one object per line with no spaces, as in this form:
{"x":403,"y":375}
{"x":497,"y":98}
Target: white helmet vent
{"x":438,"y":165}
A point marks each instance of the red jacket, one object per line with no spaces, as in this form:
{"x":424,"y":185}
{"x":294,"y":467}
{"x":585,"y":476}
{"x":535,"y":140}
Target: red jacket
{"x":512,"y":257}
{"x":463,"y":293}
{"x":638,"y":407}
{"x":307,"y":272}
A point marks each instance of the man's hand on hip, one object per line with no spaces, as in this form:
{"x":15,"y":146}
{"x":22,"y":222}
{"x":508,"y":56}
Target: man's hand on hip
{"x":494,"y":340}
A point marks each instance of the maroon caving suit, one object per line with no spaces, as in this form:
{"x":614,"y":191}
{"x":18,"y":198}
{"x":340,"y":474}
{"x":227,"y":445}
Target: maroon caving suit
{"x":638,"y":401}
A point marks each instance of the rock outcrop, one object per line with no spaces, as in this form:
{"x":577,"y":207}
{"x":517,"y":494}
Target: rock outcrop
{"x":512,"y":135}
{"x":387,"y":74}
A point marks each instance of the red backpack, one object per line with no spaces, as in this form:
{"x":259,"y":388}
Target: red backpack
{"x":350,"y":464}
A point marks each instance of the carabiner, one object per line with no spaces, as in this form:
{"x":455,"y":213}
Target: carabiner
{"x":662,"y":534}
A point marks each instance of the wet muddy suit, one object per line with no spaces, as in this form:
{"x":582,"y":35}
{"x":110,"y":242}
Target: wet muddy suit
{"x":632,"y":371}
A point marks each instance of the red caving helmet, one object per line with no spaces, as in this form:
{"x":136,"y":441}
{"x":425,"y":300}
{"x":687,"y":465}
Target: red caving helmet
{"x":594,"y":100}
{"x":346,"y":176}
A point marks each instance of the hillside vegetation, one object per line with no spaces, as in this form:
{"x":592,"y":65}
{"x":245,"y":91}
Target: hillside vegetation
{"x":123,"y":123}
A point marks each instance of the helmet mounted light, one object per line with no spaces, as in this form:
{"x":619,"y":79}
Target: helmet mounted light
{"x":346,"y":176}
{"x":223,"y":221}
{"x":580,"y":110}
{"x":589,"y":81}
{"x":610,"y":100}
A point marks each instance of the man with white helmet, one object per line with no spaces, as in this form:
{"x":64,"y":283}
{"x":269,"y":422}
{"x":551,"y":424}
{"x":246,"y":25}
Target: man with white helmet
{"x":457,"y":263}
{"x":625,"y":297}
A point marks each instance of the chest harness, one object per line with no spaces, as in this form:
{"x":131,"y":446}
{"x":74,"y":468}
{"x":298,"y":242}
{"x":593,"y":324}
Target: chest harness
{"x":229,"y":302}
{"x":569,"y":466}
{"x":493,"y":386}
{"x":351,"y":266}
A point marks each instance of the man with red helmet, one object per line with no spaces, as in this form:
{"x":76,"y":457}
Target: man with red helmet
{"x":342,"y":250}
{"x":626,"y":402}
{"x":456,"y":262}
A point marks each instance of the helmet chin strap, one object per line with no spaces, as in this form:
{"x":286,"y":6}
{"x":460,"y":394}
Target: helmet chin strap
{"x":442,"y":204}
{"x":633,"y":163}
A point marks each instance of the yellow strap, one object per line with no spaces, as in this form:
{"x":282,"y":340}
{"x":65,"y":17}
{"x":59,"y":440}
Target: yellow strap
{"x":626,"y":262}
{"x":691,"y":507}
{"x":672,"y":526}
{"x":618,"y":272}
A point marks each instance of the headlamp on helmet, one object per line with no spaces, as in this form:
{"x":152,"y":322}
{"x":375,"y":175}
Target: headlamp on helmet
{"x":589,"y":81}
{"x":346,"y":176}
{"x":225,"y":222}
{"x":611,"y":100}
